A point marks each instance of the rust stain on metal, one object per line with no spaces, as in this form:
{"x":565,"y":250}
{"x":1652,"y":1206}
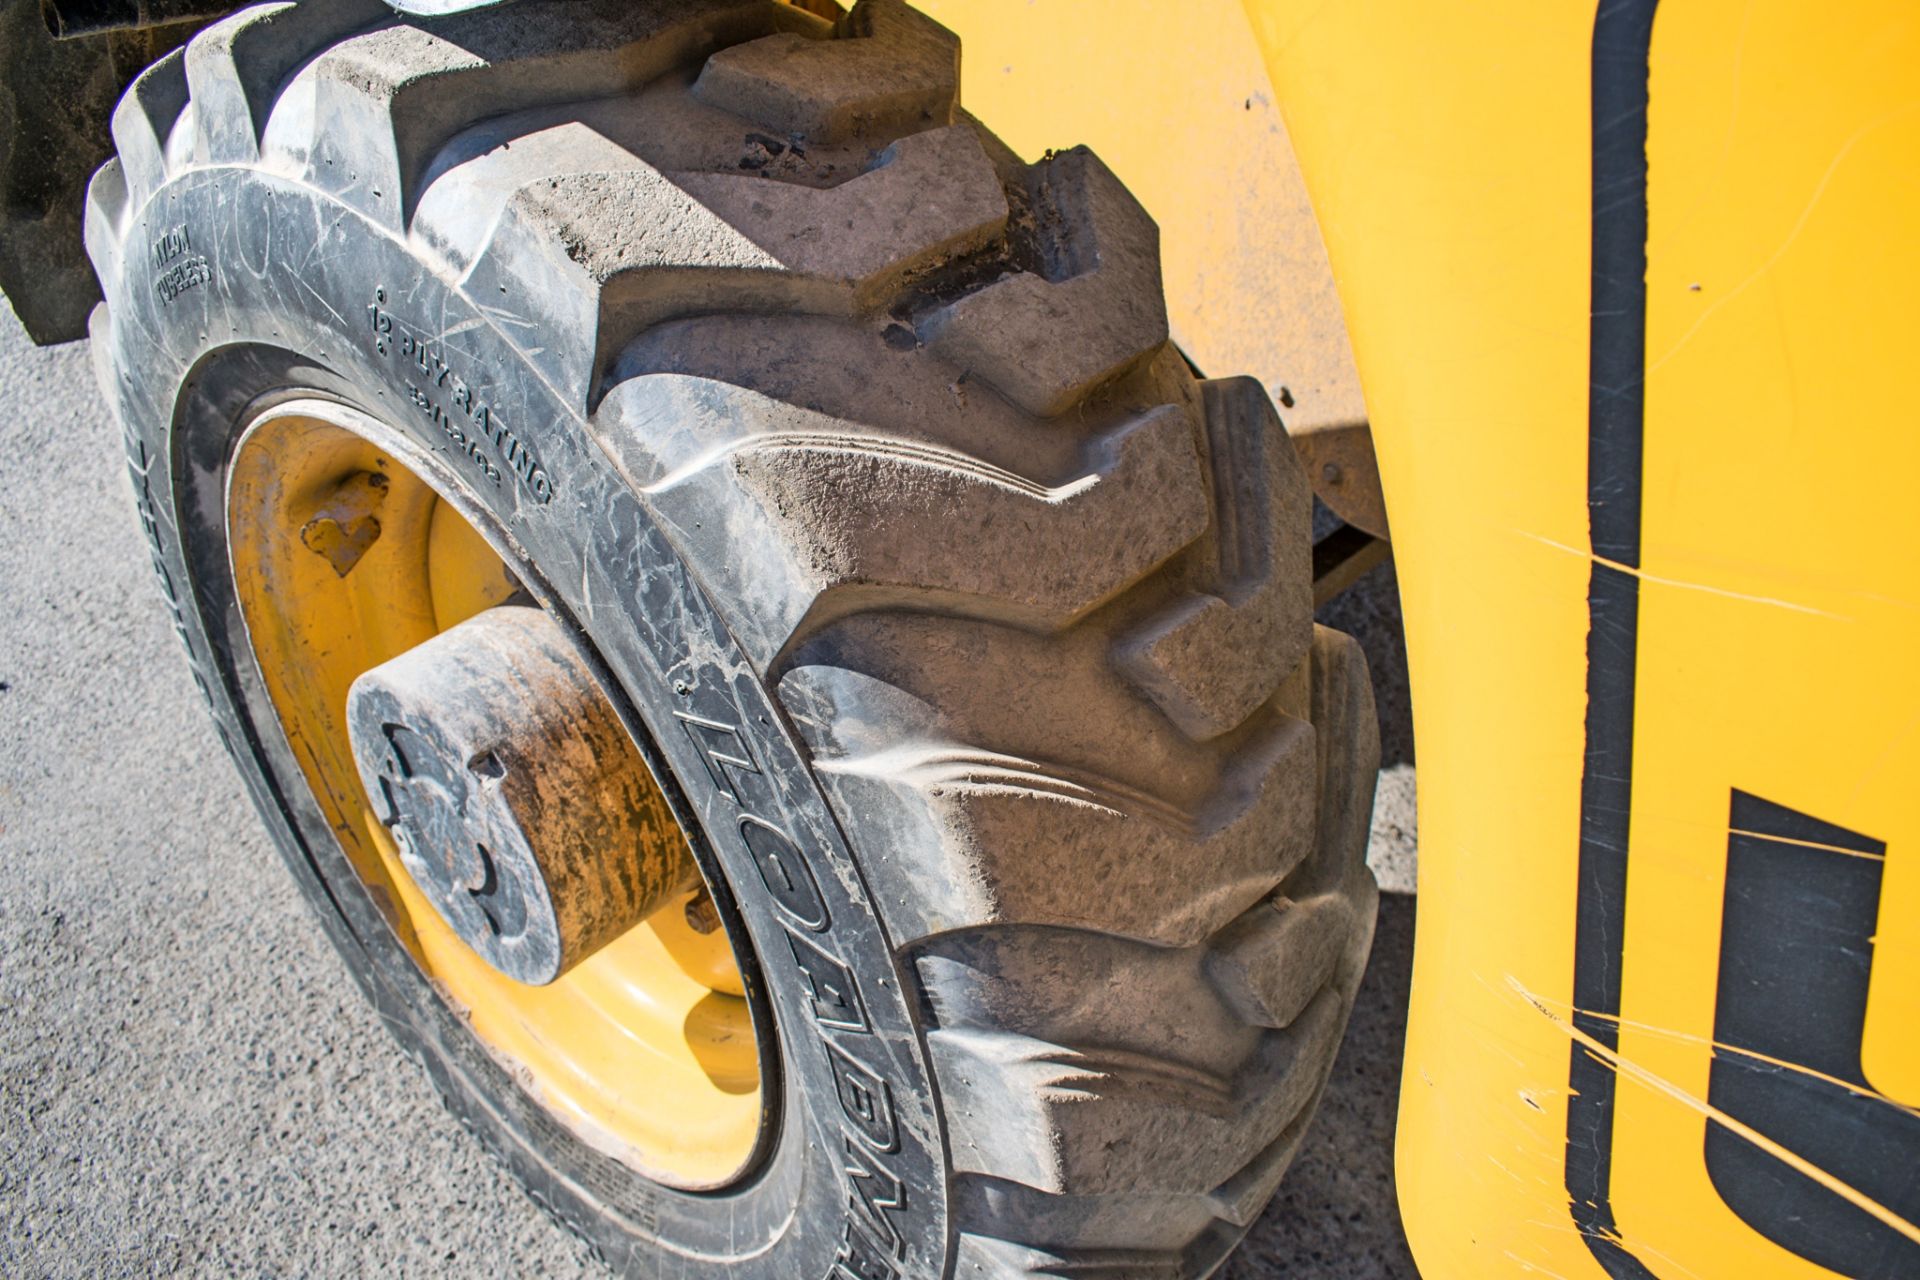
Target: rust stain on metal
{"x":520,"y":806}
{"x":346,"y":526}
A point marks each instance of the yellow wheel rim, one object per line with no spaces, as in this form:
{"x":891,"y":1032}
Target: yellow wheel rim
{"x":646,"y":1050}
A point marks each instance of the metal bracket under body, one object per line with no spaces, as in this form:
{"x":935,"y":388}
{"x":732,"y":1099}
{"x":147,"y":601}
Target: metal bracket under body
{"x":1342,"y":558}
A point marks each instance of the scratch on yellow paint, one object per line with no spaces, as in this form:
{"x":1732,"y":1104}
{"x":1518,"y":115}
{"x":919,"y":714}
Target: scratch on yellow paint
{"x":1671,"y":1268}
{"x":1800,"y":224}
{"x":1656,"y":579}
{"x":1533,"y":1269}
{"x":1631,"y":1070}
{"x":1720,"y":1046}
{"x":1809,"y":844}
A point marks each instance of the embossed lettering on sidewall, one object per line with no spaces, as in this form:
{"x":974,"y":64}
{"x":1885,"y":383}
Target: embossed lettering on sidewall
{"x":872,"y":1247}
{"x":447,"y":400}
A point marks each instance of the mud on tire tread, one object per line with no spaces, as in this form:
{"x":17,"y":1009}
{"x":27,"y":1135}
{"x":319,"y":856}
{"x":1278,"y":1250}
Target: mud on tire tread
{"x":1034,"y":597}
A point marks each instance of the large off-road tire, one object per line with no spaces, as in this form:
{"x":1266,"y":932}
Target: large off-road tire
{"x":972,"y":630}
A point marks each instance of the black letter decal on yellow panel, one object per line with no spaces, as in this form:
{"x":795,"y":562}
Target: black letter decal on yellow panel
{"x":1622,"y":38}
{"x":1796,"y":949}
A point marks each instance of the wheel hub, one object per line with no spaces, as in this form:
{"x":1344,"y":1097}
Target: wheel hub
{"x":518,"y":803}
{"x":650,"y":1049}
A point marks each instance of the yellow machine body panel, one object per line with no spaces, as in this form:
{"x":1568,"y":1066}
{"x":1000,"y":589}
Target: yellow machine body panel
{"x":1632,"y":293}
{"x":1632,"y":299}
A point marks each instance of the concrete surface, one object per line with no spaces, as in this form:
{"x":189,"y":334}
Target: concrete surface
{"x":189,"y":1082}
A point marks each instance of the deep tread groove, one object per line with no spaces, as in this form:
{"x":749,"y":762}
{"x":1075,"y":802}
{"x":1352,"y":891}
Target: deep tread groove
{"x":237,"y":66}
{"x":1048,"y":341}
{"x":143,"y":120}
{"x":1217,"y":653}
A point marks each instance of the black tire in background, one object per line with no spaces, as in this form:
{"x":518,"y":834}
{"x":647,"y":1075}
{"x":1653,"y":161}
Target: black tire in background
{"x":973,"y":630}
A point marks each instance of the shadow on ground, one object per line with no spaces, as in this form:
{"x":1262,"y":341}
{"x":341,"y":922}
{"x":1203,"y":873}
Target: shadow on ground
{"x":1336,"y":1217}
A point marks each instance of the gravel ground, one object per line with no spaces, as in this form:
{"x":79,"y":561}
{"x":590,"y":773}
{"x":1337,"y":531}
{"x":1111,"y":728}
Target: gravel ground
{"x":189,"y":1082}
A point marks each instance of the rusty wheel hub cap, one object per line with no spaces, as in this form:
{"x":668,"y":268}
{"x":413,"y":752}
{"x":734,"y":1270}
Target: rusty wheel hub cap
{"x":518,"y":802}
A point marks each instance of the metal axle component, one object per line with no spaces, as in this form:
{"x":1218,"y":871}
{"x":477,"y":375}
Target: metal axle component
{"x":519,"y":804}
{"x":1338,"y":457}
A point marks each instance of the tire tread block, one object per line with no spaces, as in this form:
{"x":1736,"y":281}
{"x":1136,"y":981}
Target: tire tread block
{"x":106,"y":214}
{"x":1045,"y":342}
{"x":1276,"y":958}
{"x":1347,"y":729}
{"x":236,"y":68}
{"x":887,"y":69}
{"x":608,"y":246}
{"x":928,"y":199}
{"x":1224,"y":647}
{"x":840,"y":517}
{"x":1075,"y":1120}
{"x":381,"y":104}
{"x":1021,"y":841}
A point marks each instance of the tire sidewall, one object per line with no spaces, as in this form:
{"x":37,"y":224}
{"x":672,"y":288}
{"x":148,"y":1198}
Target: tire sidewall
{"x":286,"y":294}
